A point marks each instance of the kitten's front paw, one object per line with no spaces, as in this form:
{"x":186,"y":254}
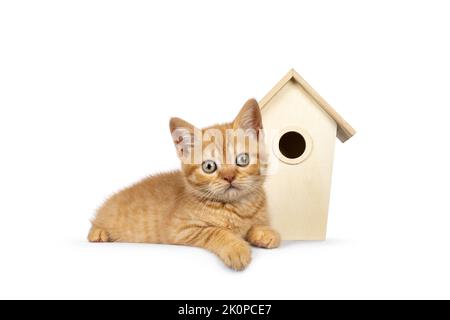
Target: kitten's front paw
{"x":98,"y":235}
{"x":237,"y":256}
{"x":264,"y":237}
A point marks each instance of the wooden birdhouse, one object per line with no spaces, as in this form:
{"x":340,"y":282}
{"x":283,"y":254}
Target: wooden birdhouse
{"x":302,"y":129}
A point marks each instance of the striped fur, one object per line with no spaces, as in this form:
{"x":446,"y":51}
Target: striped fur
{"x":190,"y":207}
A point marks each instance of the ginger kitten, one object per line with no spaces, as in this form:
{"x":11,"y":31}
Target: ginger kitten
{"x":216,"y":201}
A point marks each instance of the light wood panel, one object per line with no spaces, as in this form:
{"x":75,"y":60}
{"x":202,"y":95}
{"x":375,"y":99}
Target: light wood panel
{"x":298,"y":194}
{"x":344,"y":130}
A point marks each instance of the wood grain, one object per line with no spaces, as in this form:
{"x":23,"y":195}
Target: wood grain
{"x":344,"y":130}
{"x":298,"y":193}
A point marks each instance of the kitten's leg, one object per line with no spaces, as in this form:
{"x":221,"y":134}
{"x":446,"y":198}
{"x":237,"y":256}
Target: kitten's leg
{"x":229,"y":247}
{"x":263,"y":237}
{"x":97,"y":234}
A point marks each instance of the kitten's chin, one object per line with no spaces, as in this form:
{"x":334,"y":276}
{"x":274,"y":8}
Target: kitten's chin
{"x":227,"y":195}
{"x":224,"y":193}
{"x":233,"y":194}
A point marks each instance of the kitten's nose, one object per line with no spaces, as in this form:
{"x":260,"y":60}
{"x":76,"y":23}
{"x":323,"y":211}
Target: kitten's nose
{"x":230,"y":178}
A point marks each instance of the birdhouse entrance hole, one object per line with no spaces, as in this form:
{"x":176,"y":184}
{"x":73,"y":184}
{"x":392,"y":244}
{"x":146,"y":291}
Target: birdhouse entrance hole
{"x":292,"y":145}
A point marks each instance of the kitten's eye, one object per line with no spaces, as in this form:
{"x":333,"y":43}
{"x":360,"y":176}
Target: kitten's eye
{"x":243,"y":159}
{"x":209,"y":166}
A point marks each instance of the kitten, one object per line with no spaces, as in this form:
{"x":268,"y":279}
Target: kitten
{"x":211,"y":203}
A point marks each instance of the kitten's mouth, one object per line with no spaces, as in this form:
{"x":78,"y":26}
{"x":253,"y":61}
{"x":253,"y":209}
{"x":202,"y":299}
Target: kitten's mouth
{"x":231,"y":187}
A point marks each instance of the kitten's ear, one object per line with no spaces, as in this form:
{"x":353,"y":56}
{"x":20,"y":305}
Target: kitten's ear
{"x":183,"y":134}
{"x":177,"y":123}
{"x":249,"y":117}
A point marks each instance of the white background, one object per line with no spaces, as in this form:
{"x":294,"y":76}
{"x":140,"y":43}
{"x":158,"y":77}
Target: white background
{"x":86,"y":91}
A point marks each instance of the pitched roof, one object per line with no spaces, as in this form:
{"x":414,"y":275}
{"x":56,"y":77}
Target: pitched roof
{"x":344,"y":130}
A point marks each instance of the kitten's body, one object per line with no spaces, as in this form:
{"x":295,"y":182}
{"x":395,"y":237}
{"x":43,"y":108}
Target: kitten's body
{"x":160,"y":209}
{"x":185,"y":207}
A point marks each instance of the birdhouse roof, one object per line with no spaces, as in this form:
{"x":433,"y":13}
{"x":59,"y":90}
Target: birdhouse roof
{"x":344,"y":129}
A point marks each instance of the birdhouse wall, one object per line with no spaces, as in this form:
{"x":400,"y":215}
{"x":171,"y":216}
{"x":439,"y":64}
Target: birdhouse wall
{"x":298,"y":190}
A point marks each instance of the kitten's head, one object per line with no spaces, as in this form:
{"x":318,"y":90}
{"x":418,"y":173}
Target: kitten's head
{"x":222,"y":162}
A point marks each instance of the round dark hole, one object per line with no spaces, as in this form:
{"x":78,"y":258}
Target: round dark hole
{"x":292,"y":145}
